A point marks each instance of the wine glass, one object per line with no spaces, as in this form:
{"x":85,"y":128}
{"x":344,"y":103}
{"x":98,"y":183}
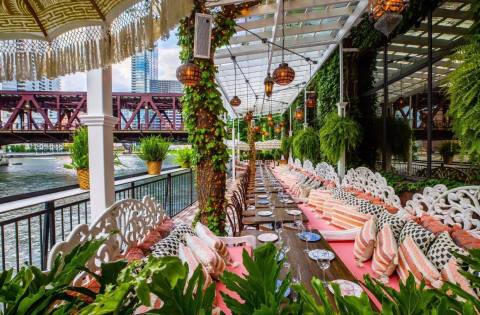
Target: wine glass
{"x":305,"y":230}
{"x":324,"y":264}
{"x":285,"y":249}
{"x":279,"y":227}
{"x":297,"y":274}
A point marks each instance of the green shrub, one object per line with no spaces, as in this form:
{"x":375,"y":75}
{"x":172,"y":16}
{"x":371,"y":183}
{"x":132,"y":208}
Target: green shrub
{"x":337,"y":134}
{"x":79,"y":150}
{"x":306,"y":145}
{"x":153,"y":148}
{"x":184,"y":157}
{"x":448,"y":149}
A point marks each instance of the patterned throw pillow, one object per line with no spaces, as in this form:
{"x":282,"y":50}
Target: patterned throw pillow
{"x":182,"y":229}
{"x":385,"y":254}
{"x":365,"y":242}
{"x":422,"y":237}
{"x":411,"y":259}
{"x":353,"y":201}
{"x":369,"y":208}
{"x":440,"y":252}
{"x":166,"y":247}
{"x":396,"y":223}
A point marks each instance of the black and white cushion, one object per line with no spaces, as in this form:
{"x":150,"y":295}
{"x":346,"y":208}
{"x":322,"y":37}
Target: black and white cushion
{"x":442,"y":249}
{"x":340,"y":194}
{"x":396,"y":223}
{"x":166,"y":247}
{"x":180,"y":230}
{"x":422,"y":237}
{"x":366,"y":207}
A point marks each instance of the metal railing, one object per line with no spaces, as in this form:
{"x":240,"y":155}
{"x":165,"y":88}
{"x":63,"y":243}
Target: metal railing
{"x":401,"y":167}
{"x":33,"y":224}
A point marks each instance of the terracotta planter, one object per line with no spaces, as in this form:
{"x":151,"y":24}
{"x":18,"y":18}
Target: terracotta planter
{"x":83,"y":177}
{"x":283,"y":162}
{"x":154,"y":167}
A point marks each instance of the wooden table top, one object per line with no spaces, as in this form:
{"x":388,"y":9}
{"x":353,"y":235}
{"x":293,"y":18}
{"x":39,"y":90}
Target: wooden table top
{"x":308,"y":267}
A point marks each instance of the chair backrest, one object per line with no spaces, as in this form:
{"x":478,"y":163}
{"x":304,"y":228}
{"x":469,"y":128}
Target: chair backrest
{"x":130,"y":219}
{"x":327,"y":172}
{"x":308,"y":166}
{"x":298,"y":163}
{"x":364,"y":179}
{"x":458,"y":206}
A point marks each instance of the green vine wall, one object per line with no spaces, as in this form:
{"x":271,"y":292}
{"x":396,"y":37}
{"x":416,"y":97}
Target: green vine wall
{"x":202,"y":112}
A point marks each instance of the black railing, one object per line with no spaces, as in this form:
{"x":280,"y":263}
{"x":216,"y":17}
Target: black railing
{"x":28,"y":232}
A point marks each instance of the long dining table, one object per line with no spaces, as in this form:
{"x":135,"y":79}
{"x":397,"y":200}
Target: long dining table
{"x":296,"y":257}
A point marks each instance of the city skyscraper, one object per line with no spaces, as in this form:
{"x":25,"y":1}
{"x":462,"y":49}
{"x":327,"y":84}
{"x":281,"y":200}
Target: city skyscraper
{"x":40,"y":85}
{"x":144,"y":69}
{"x":166,"y":86}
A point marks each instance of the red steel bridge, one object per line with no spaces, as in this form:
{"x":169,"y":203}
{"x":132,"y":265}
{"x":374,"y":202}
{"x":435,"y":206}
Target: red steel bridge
{"x":53,"y":116}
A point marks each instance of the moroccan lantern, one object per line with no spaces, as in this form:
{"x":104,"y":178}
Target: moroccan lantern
{"x":235,"y":101}
{"x":268,"y":84}
{"x":271,"y":123}
{"x":248,"y":117}
{"x":270,"y":117}
{"x":278,"y":129}
{"x":401,"y":102}
{"x":188,"y":74}
{"x":256,"y":129}
{"x":311,"y":99}
{"x":387,"y":14}
{"x":299,"y":114}
{"x":283,"y":75}
{"x":282,"y":124}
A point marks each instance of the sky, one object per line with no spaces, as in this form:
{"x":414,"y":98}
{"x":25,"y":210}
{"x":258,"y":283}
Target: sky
{"x":168,"y":62}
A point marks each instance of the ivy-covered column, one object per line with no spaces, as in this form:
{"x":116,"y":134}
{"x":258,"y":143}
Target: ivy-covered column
{"x":202,"y":112}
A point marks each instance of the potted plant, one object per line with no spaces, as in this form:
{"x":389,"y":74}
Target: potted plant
{"x":285,"y":149}
{"x":306,"y":145}
{"x":338,"y":134}
{"x":184,"y":157}
{"x":79,"y":155}
{"x":153,"y":150}
{"x":447,"y":150}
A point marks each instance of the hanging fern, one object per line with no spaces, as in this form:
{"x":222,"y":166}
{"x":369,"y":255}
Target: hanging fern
{"x":306,"y":145}
{"x":464,"y":91}
{"x":338,"y":134}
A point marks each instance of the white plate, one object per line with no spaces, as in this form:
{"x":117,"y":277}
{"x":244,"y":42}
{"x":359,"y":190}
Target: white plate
{"x":347,"y":288}
{"x":251,"y":207}
{"x":288,"y":201}
{"x":262,"y":196}
{"x":267,"y":237}
{"x":317,"y":254}
{"x":265,"y":213}
{"x":293,"y":212}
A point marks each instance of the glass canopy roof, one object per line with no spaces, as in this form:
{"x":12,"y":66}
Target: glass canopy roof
{"x":407,"y":54}
{"x":313,"y":29}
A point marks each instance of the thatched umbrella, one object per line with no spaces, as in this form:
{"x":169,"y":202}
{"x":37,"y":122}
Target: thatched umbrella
{"x":51,"y":38}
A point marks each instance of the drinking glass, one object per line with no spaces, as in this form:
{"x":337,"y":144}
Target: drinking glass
{"x":279,"y":227}
{"x":296,"y":274}
{"x":324,"y":264}
{"x":285,"y":249}
{"x":306,"y":229}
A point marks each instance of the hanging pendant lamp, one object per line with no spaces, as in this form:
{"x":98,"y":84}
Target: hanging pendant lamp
{"x":268,"y":84}
{"x":188,"y":74}
{"x":283,"y":75}
{"x":299,"y":114}
{"x":311,"y":99}
{"x":278,"y":129}
{"x":235,"y":101}
{"x":387,"y":14}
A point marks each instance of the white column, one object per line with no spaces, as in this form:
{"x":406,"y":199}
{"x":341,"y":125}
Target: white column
{"x":305,"y":125}
{"x":100,"y":124}
{"x":238,"y":139}
{"x":341,"y":112}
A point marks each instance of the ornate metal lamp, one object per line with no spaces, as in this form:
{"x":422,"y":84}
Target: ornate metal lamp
{"x":248,"y":116}
{"x":235,"y":101}
{"x":311,"y":99}
{"x":387,"y":14}
{"x":278,"y":129}
{"x":299,"y":114}
{"x":271,"y":123}
{"x":188,"y":74}
{"x":283,"y":75}
{"x":268,"y":84}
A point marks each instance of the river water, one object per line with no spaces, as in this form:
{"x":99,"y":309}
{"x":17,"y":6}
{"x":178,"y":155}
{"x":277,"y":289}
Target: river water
{"x":30,"y":174}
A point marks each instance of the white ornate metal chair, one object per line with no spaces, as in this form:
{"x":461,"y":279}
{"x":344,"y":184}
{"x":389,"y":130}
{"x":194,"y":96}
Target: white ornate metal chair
{"x":458,"y":206}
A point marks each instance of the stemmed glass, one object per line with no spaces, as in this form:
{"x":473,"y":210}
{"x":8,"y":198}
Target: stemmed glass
{"x":324,"y":264}
{"x":285,"y":250}
{"x":278,"y":227}
{"x":304,"y":232}
{"x":297,"y":274}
